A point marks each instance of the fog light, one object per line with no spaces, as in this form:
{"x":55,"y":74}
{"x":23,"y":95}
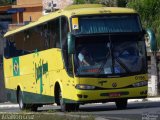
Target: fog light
{"x":85,"y":96}
{"x":142,"y":92}
{"x":145,"y":92}
{"x":79,"y":95}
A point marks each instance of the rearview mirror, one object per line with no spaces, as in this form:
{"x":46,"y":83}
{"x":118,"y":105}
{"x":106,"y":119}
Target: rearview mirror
{"x":71,"y":44}
{"x":151,"y":39}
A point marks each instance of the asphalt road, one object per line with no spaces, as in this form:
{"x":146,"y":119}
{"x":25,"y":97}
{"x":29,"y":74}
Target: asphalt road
{"x":135,"y":111}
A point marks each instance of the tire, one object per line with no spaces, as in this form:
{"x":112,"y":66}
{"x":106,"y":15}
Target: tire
{"x":33,"y":107}
{"x":64,"y":106}
{"x":57,"y":95}
{"x":22,"y":105}
{"x":67,"y":107}
{"x":121,"y":104}
{"x":74,"y":107}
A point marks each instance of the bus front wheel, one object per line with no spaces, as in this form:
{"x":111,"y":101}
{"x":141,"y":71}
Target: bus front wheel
{"x":67,"y":106}
{"x":121,"y":104}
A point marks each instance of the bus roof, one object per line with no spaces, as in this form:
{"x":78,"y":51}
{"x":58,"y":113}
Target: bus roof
{"x":72,"y":10}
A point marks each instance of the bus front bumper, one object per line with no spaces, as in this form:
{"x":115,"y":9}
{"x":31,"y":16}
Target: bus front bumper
{"x":92,"y":96}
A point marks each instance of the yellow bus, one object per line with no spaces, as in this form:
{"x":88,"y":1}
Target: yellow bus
{"x":78,"y":55}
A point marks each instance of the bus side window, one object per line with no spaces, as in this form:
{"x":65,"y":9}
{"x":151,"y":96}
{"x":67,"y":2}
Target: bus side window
{"x":64,"y":30}
{"x":46,"y":36}
{"x":34,"y":39}
{"x":54,"y":33}
{"x":10,"y":49}
{"x":6,"y":49}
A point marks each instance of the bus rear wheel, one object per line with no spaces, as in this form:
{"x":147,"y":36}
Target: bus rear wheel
{"x":66,"y":107}
{"x":121,"y":104}
{"x":22,"y":105}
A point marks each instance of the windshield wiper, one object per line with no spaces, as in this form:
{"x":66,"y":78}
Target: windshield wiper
{"x":122,"y":64}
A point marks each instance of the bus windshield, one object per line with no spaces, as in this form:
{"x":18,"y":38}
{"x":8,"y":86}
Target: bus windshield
{"x":110,"y":55}
{"x":106,"y":24}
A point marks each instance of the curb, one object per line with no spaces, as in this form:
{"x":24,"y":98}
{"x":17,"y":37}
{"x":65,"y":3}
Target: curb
{"x":146,"y":99}
{"x":9,"y":106}
{"x":101,"y":118}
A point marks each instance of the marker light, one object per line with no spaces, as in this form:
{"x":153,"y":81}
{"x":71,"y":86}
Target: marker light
{"x":140,"y":84}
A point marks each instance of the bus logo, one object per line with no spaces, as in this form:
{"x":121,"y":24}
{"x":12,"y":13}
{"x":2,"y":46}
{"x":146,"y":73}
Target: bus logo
{"x":40,"y":70}
{"x":16,"y":71}
{"x":114,"y":85}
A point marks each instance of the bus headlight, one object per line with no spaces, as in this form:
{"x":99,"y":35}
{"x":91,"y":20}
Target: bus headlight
{"x":140,"y":84}
{"x":85,"y":87}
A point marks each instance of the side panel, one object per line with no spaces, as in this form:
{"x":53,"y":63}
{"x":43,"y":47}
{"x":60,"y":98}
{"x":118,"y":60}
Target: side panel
{"x":35,"y":74}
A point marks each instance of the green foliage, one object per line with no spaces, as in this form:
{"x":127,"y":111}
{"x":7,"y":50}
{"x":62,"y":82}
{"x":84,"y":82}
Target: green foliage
{"x":149,"y":11}
{"x":7,"y":2}
{"x":85,"y":1}
{"x":79,"y":1}
{"x":120,"y":3}
{"x":83,"y":6}
{"x":108,"y":3}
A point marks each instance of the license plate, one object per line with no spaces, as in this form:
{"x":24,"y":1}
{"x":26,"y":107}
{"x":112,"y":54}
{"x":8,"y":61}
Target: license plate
{"x":114,"y":94}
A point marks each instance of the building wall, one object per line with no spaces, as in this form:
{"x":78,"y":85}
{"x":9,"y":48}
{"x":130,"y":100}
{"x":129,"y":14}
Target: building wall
{"x":28,"y":2}
{"x":60,"y":4}
{"x":35,"y":13}
{"x":14,"y":18}
{"x":33,"y":9}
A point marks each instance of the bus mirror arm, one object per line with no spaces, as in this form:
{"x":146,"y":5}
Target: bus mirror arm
{"x":151,"y":39}
{"x":71,"y":43}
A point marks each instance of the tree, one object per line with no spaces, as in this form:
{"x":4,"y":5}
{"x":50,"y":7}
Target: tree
{"x":149,"y":12}
{"x":109,"y":3}
{"x":7,"y":2}
{"x":121,"y":3}
{"x":85,"y":1}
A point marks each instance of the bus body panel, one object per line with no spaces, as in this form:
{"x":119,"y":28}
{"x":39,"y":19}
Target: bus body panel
{"x":36,"y":73}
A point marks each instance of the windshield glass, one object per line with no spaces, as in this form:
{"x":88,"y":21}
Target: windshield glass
{"x":106,"y":24}
{"x":109,"y":55}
